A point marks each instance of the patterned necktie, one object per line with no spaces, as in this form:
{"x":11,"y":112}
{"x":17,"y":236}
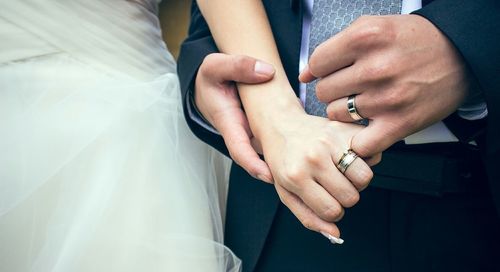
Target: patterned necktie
{"x":329,"y":17}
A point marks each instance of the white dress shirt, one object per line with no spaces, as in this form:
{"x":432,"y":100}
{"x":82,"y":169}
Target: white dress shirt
{"x":433,"y":134}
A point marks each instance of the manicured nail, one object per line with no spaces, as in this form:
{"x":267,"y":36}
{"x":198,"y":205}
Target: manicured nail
{"x":333,"y":239}
{"x":263,"y":68}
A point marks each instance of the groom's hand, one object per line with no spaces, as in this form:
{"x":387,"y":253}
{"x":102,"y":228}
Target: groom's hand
{"x":216,"y":97}
{"x":405,"y":73}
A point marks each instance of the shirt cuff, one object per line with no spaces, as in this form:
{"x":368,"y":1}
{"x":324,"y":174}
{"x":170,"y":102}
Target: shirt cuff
{"x":473,"y":112}
{"x":197,"y":117}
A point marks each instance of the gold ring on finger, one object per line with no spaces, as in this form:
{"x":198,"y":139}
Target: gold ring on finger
{"x":346,"y":160}
{"x":351,"y":108}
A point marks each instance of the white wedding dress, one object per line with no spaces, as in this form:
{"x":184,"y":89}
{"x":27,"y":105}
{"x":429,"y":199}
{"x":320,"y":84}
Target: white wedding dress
{"x":98,"y":170}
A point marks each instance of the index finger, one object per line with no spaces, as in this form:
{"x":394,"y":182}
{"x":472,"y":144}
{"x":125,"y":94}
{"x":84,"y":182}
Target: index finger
{"x":306,"y":76}
{"x":332,"y":55}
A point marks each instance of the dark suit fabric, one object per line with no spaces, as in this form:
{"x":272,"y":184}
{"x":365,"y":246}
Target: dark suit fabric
{"x":429,"y":208}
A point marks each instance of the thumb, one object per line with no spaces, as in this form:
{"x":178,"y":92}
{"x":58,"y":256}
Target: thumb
{"x":374,"y":139}
{"x":239,"y":68}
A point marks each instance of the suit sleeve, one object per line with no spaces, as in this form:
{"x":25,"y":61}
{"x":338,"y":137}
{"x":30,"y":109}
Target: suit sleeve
{"x":473,"y":26}
{"x":194,"y":49}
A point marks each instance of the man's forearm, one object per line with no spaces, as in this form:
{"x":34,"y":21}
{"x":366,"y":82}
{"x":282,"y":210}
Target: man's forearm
{"x":194,"y":49}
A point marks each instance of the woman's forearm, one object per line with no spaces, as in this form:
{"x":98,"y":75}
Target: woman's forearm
{"x":242,"y":27}
{"x":300,"y":149}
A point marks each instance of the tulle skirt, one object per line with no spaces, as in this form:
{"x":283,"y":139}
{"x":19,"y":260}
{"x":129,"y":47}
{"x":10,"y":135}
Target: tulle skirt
{"x":102,"y":174}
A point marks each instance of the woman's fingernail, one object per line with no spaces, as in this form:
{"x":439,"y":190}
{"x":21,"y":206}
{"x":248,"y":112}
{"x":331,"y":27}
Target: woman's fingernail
{"x":263,"y":68}
{"x":333,"y":239}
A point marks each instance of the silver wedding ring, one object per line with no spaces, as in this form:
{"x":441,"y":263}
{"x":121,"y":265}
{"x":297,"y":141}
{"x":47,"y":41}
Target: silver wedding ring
{"x":351,"y":108}
{"x":346,"y":160}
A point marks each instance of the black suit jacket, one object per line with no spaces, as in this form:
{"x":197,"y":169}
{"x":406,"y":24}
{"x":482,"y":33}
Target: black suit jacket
{"x":472,"y":26}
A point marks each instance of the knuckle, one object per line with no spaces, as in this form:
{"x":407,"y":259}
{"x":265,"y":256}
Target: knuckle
{"x":364,"y":20}
{"x":387,"y":30}
{"x":324,"y":141}
{"x":294,"y":174}
{"x":368,"y":34}
{"x":313,"y":157}
{"x":340,"y":216}
{"x":376,"y":70}
{"x":332,"y":213}
{"x":372,"y":31}
{"x":294,"y":177}
{"x":365,"y":175}
{"x":351,"y":199}
{"x":393,"y":100}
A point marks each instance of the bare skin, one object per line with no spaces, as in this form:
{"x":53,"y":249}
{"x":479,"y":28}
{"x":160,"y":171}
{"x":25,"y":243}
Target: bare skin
{"x":405,"y":72}
{"x":300,"y":150}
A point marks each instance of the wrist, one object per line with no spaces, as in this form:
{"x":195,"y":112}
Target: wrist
{"x":268,"y":123}
{"x":269,"y":104}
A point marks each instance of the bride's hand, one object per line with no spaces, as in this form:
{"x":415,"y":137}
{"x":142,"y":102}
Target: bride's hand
{"x":302,"y":152}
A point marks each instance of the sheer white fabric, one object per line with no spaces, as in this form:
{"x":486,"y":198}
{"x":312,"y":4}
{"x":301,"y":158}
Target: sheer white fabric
{"x":98,"y":170}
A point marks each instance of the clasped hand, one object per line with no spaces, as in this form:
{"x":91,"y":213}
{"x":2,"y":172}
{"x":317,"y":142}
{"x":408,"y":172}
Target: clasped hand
{"x":301,"y":150}
{"x":406,"y":75}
